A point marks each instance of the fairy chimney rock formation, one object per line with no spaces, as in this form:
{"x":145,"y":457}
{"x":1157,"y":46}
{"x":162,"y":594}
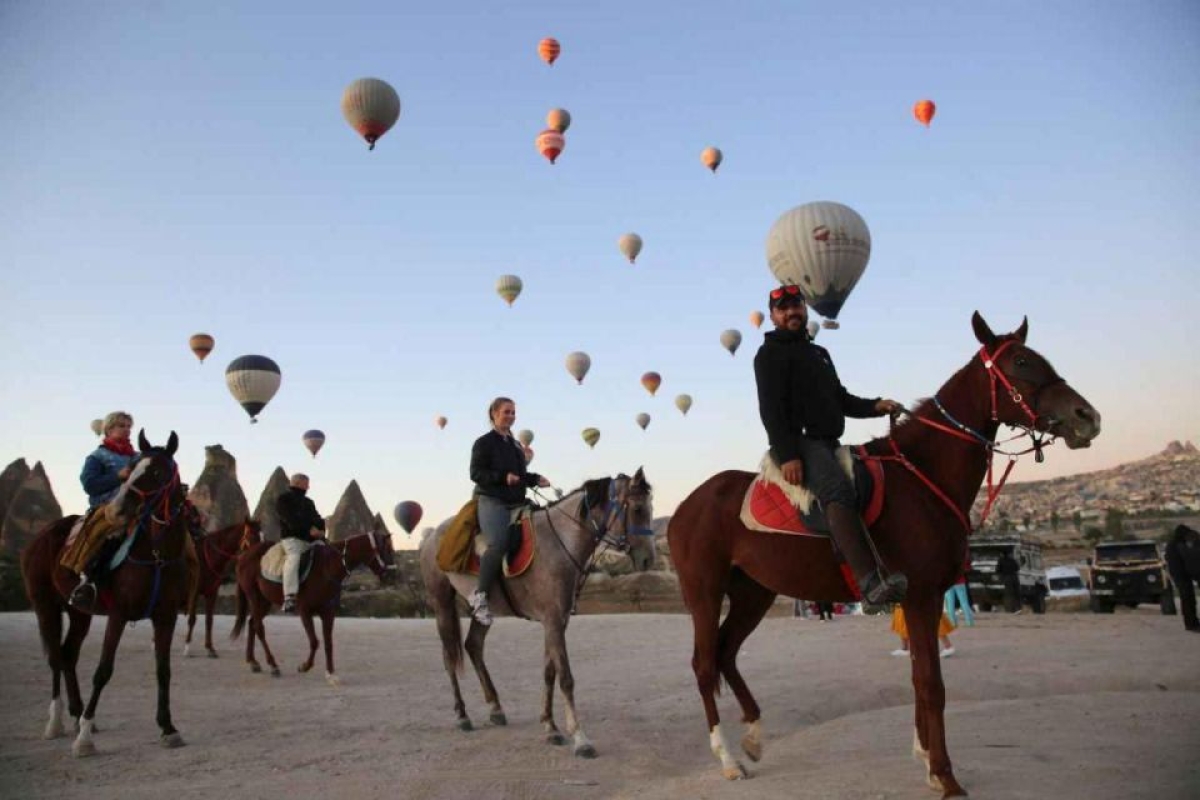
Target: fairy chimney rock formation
{"x":10,"y":481}
{"x":264,"y":512}
{"x":380,"y":526}
{"x":351,"y":517}
{"x":217,"y":492}
{"x":31,"y":509}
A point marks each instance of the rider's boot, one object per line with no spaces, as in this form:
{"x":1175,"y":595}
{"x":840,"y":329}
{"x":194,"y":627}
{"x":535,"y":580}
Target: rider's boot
{"x":289,"y":604}
{"x":479,"y":608}
{"x":83,"y":596}
{"x":851,"y":538}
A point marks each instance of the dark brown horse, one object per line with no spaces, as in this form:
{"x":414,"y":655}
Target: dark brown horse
{"x":150,"y":582}
{"x":216,"y":553}
{"x":934,"y":464}
{"x":318,"y":595}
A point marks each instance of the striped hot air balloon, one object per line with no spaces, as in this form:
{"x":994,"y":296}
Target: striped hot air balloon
{"x":371,"y":106}
{"x":578,"y":364}
{"x":408,"y":514}
{"x":823,"y":248}
{"x":924,"y":110}
{"x":253,"y":381}
{"x":591,"y":436}
{"x":630,"y":245}
{"x":711,"y":157}
{"x":643,"y":420}
{"x":651,"y":380}
{"x":314,"y":440}
{"x":559,"y":119}
{"x":201,"y":344}
{"x":551,"y":143}
{"x":548,"y":49}
{"x":509,"y":287}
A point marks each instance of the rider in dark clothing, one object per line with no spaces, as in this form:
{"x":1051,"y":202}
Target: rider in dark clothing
{"x":804,"y":407}
{"x":298,"y":518}
{"x":1183,"y":563}
{"x":1010,"y":574}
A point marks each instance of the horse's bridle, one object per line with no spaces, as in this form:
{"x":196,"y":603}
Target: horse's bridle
{"x":383,"y":567}
{"x":599,"y":531}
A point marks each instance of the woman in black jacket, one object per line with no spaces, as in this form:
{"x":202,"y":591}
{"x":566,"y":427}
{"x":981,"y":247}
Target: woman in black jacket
{"x":498,"y":470}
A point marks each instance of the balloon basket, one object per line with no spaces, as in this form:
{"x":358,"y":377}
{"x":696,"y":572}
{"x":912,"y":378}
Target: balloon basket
{"x":831,"y":325}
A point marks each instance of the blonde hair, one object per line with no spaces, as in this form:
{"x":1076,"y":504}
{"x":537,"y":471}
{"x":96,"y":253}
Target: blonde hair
{"x":113,"y":418}
{"x":495,"y":406}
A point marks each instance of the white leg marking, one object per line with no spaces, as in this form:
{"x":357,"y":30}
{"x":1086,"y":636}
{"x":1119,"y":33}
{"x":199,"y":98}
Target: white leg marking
{"x":583,"y":746}
{"x":730,"y":767}
{"x":84,"y":746}
{"x":752,"y":742}
{"x":187,"y":650}
{"x":922,"y":755}
{"x":54,"y":727}
{"x":332,"y":679}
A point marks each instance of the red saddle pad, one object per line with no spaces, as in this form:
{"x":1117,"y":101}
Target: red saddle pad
{"x":520,"y":561}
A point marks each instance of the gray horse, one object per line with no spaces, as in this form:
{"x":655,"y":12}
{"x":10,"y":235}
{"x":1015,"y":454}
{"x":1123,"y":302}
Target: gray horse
{"x":614,"y":511}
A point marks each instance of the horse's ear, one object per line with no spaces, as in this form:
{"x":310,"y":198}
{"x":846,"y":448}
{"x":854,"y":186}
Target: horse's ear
{"x":1022,"y":331}
{"x":982,"y":332}
{"x":143,"y":445}
{"x":172,"y":444}
{"x":639,"y":477}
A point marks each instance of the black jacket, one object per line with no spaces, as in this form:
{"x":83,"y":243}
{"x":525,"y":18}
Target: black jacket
{"x":799,"y":393}
{"x":297,"y":515}
{"x":494,"y":456}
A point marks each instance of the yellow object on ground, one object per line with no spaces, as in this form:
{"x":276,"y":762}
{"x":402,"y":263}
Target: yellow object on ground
{"x":900,"y":628}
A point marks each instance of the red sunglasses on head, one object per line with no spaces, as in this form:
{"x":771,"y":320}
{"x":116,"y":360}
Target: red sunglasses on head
{"x":791,"y":290}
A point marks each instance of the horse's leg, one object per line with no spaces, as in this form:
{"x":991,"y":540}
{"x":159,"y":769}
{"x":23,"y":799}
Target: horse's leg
{"x":84,"y":746}
{"x":445,"y":612}
{"x":191,"y":624}
{"x":550,"y":673}
{"x":307,"y":621}
{"x":164,"y":633}
{"x":262,"y":639}
{"x":922,"y":615}
{"x":476,"y":635}
{"x":210,"y":602}
{"x":77,"y":631}
{"x":556,"y":649}
{"x":49,"y":619}
{"x":704,"y":602}
{"x":260,"y":606}
{"x":327,"y":618}
{"x":749,"y":602}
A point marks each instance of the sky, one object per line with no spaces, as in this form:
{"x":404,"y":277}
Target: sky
{"x":171,"y":168}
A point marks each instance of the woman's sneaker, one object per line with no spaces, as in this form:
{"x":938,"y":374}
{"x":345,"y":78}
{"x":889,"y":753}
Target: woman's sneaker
{"x":479,"y":609}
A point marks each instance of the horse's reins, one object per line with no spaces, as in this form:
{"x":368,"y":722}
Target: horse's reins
{"x":968,"y":434}
{"x":158,"y":527}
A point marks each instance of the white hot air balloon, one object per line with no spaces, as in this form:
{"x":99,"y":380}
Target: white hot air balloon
{"x":371,"y":106}
{"x":731,"y":340}
{"x":823,"y":248}
{"x":509,"y":287}
{"x":643,"y":420}
{"x":814,"y":328}
{"x":684,"y":403}
{"x":253,"y":381}
{"x":630,"y":245}
{"x":97,"y":426}
{"x":578,"y":364}
{"x":525,"y":437}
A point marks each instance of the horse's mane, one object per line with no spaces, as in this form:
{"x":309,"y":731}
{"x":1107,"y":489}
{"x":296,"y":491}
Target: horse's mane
{"x":585,"y":486}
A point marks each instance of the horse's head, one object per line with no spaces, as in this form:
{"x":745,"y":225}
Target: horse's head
{"x":251,"y":534}
{"x":1028,"y":393}
{"x":621,"y":510}
{"x":153,"y":481}
{"x":380,"y":557}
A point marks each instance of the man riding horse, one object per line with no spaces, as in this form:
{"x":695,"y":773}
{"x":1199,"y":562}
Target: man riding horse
{"x":804,"y":407}
{"x":299,"y":525}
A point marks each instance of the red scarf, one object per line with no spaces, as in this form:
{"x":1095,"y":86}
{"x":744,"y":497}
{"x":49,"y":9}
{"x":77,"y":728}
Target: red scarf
{"x":122,"y":447}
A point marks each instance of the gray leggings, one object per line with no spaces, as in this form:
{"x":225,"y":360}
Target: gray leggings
{"x":495,"y":518}
{"x":823,"y":475}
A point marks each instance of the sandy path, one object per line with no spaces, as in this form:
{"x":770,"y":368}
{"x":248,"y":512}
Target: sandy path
{"x":1061,"y":705}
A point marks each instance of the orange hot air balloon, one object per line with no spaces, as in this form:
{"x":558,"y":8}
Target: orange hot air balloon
{"x":924,"y":110}
{"x":201,"y":344}
{"x":440,"y":422}
{"x":711,"y":157}
{"x":756,"y":318}
{"x":550,"y":143}
{"x":548,"y":49}
{"x":652,"y":380}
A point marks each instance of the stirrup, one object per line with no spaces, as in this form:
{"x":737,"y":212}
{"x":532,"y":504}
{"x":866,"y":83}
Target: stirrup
{"x":479,"y":609}
{"x":289,"y":604}
{"x":83,"y":596}
{"x":891,"y":589}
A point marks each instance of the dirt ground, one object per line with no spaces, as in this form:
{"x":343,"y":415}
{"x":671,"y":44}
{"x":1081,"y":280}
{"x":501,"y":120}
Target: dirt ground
{"x":1060,"y":705}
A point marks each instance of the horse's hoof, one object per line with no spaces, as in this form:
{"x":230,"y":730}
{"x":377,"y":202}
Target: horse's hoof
{"x":585,"y":751}
{"x":498,"y":718}
{"x":332,"y":680}
{"x":83,"y":749}
{"x":171,"y":740}
{"x":464,"y":724}
{"x":256,"y":668}
{"x":54,"y":730}
{"x":556,"y":739}
{"x":187,"y":651}
{"x":735,"y":773}
{"x":753,"y":749}
{"x":212,"y":653}
{"x":303,"y":668}
{"x":275,"y":673}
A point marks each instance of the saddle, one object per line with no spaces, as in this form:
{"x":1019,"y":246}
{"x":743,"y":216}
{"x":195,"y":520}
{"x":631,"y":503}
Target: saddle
{"x":772,"y":505}
{"x":460,"y":547}
{"x":519,"y":556}
{"x":271,"y":565}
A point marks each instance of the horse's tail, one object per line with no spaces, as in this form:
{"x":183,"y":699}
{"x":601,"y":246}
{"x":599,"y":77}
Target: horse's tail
{"x":242,"y":611}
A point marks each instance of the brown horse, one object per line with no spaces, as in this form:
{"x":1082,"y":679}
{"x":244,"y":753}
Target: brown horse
{"x":150,"y":582}
{"x":319,"y":594}
{"x":216,"y":552}
{"x":934,"y":465}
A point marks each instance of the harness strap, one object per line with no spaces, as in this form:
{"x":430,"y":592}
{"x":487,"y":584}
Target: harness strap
{"x":901,"y":459}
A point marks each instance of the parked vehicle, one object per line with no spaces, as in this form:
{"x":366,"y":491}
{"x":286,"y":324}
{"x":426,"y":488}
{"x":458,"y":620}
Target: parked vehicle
{"x":1065,"y":582}
{"x":990,"y":587}
{"x":1129,"y":573}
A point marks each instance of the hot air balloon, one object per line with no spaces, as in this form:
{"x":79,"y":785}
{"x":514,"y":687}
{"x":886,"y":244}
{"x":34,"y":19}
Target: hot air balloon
{"x":408,"y":514}
{"x":578,"y":364}
{"x":630,"y":245}
{"x":253,"y":381}
{"x":548,"y":49}
{"x":559,"y":119}
{"x":440,"y":422}
{"x":756,"y":318}
{"x":551,"y":143}
{"x":711,"y":157}
{"x":509,"y":287}
{"x":525,"y":437}
{"x":823,"y":248}
{"x":371,"y":106}
{"x":314,"y":440}
{"x":201,"y":344}
{"x":643,"y":420}
{"x":652,"y":380}
{"x":97,"y":426}
{"x":814,"y":328}
{"x":924,"y":110}
{"x":683,"y":403}
{"x":591,"y":436}
{"x":731,"y":340}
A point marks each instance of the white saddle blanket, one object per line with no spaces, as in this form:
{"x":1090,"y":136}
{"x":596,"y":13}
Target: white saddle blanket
{"x":272,"y":562}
